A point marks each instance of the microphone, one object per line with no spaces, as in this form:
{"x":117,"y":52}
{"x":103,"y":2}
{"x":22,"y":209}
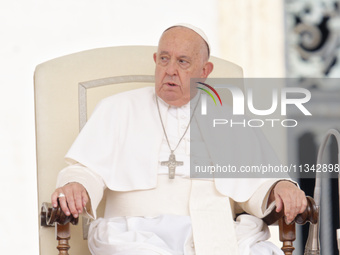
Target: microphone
{"x":313,"y":242}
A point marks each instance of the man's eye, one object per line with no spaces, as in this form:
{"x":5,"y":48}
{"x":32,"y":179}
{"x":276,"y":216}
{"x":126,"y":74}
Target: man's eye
{"x":163,"y":59}
{"x":183,"y":62}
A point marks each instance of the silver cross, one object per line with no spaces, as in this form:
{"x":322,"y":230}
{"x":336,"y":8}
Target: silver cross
{"x":172,"y":164}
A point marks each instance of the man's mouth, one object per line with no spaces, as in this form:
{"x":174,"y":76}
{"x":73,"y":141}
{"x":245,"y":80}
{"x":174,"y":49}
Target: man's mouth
{"x":171,"y":84}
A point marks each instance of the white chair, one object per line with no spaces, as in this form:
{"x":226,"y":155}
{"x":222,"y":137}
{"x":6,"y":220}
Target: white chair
{"x":66,"y":92}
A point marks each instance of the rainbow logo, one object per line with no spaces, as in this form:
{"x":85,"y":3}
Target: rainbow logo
{"x":209,"y":93}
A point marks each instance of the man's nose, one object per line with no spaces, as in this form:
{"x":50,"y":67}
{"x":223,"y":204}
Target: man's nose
{"x":171,"y":68}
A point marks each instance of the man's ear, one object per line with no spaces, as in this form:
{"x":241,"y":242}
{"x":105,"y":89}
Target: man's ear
{"x":155,"y":57}
{"x":207,"y":69}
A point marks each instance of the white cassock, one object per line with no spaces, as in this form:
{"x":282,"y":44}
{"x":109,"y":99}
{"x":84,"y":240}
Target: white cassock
{"x":121,"y":148}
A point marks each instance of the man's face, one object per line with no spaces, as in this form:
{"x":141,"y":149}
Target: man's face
{"x":182,"y":54}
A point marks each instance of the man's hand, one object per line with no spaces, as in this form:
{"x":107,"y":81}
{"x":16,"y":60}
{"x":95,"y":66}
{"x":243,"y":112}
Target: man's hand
{"x":74,"y":201}
{"x":288,"y":196}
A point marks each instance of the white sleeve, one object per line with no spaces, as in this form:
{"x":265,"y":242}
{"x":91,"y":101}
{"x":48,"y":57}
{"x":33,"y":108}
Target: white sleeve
{"x":93,"y":183}
{"x":257,"y":204}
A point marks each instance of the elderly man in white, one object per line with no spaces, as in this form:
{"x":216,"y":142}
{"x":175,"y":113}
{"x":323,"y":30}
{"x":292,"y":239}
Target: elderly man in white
{"x":121,"y":149}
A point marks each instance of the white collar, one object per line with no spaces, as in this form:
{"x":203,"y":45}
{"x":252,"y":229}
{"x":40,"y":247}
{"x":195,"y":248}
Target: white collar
{"x":185,"y":108}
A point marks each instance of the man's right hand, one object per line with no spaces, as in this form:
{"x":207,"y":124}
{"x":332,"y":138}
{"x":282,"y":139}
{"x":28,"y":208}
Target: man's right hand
{"x":74,"y":201}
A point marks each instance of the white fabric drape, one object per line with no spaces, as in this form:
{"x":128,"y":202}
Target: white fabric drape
{"x":252,"y":235}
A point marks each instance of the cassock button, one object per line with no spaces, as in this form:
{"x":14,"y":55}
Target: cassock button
{"x":192,"y":245}
{"x":184,"y":126}
{"x":183,"y":116}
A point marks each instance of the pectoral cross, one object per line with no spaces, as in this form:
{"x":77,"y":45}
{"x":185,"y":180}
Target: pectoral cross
{"x":172,"y":164}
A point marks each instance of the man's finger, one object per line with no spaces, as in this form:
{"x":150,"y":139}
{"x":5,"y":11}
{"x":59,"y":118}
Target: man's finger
{"x":63,"y":205}
{"x":303,"y":203}
{"x":85,"y":197}
{"x":72,"y":205}
{"x":278,"y":202}
{"x":54,"y":199}
{"x":78,"y":201}
{"x":291,"y":211}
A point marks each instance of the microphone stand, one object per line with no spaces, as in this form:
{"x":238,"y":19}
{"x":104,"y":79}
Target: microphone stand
{"x":313,"y":242}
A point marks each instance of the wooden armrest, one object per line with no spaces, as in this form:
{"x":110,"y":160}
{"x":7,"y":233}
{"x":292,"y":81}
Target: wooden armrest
{"x":50,"y":215}
{"x":55,"y":217}
{"x":287,"y":231}
{"x":311,"y":214}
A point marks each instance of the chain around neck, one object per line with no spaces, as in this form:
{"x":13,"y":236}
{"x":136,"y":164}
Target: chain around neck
{"x":166,"y":136}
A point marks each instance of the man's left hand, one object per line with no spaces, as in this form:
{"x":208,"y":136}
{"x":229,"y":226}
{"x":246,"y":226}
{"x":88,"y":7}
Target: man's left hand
{"x":288,"y":196}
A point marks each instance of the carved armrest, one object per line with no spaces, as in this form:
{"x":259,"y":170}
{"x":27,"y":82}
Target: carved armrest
{"x":287,"y":231}
{"x":50,"y":215}
{"x":55,"y":217}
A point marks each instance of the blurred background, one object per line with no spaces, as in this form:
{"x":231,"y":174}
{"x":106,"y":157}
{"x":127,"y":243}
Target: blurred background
{"x":269,"y":39}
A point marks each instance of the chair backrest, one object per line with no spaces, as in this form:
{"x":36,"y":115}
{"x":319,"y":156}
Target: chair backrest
{"x":67,"y":90}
